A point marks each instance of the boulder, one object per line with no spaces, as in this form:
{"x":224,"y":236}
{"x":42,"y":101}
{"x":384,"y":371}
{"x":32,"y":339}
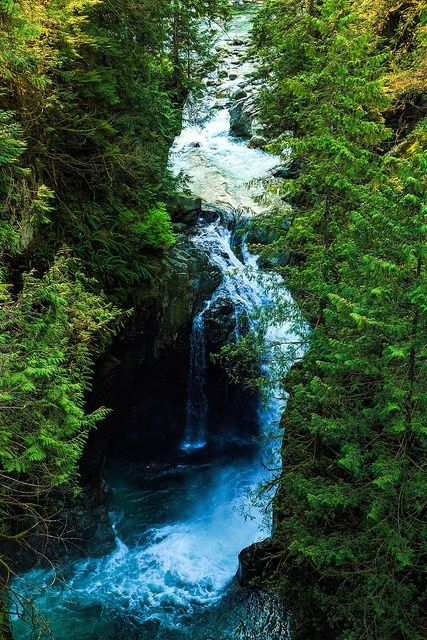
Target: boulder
{"x":250,"y":108}
{"x":179,"y":227}
{"x":222,"y":47}
{"x":239,"y":94}
{"x":220,"y":321}
{"x":82,"y":527}
{"x":257,"y":142}
{"x":257,"y":563}
{"x":226,"y":213}
{"x":185,"y":208}
{"x":287,"y":169}
{"x":90,"y":529}
{"x":240,"y":121}
{"x":233,"y":75}
{"x":258,"y":129}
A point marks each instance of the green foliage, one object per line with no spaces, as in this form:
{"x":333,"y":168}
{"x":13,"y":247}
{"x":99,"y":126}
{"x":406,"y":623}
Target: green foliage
{"x":48,"y":337}
{"x":96,"y":90}
{"x":349,"y":507}
{"x":91,"y":93}
{"x":155,"y":231}
{"x":12,"y":145}
{"x":50,"y":334}
{"x":189,"y":43}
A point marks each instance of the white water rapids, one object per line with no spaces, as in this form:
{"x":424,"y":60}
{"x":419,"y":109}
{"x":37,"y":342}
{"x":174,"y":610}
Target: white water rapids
{"x":178,"y":539}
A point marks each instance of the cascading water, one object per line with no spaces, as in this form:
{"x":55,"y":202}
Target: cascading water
{"x":178,"y":535}
{"x":197,"y":403}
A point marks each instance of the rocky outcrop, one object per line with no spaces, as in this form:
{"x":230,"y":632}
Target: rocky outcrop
{"x":240,"y":120}
{"x":222,"y":321}
{"x":81,"y":527}
{"x":88,"y":526}
{"x":257,"y":142}
{"x":257,"y":563}
{"x":193,"y":279}
{"x":185,"y":208}
{"x":287,"y":169}
{"x":225,"y":319}
{"x":239,"y":94}
{"x":144,"y":377}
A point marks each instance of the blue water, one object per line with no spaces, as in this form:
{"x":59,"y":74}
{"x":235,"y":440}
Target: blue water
{"x":172,"y":572}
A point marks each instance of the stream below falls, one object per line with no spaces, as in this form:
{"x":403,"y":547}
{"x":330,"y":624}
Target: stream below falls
{"x":179,"y":533}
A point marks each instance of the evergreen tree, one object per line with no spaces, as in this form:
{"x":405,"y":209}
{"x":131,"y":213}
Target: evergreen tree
{"x":349,"y":505}
{"x":49,"y":335}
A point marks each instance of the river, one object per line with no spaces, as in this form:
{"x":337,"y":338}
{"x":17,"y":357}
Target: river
{"x":178,"y":534}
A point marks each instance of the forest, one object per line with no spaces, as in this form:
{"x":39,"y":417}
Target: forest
{"x":170,"y":173}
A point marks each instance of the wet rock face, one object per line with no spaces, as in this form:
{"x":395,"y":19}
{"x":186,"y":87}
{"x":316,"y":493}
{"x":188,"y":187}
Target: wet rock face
{"x":257,"y":142}
{"x":240,"y":120}
{"x":224,"y":321}
{"x":88,"y":527}
{"x":257,"y":563}
{"x":288,"y":169}
{"x":243,"y":115}
{"x":185,"y":208}
{"x":81,"y":528}
{"x":193,"y":279}
{"x":220,"y":321}
{"x":144,"y":378}
{"x":239,"y":94}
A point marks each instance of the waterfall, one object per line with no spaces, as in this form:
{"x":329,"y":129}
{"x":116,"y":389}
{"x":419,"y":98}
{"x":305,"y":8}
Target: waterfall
{"x":197,"y":402}
{"x":179,"y":533}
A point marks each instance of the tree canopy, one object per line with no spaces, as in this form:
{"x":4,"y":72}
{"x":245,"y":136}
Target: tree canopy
{"x":345,"y":92}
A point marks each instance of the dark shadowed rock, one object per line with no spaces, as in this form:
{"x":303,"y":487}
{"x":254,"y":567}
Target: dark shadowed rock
{"x":287,"y":169}
{"x":257,"y":142}
{"x":185,"y":208}
{"x":238,"y":94}
{"x":89,"y":529}
{"x":146,"y":384}
{"x":82,"y":527}
{"x":257,"y":563}
{"x":220,"y":321}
